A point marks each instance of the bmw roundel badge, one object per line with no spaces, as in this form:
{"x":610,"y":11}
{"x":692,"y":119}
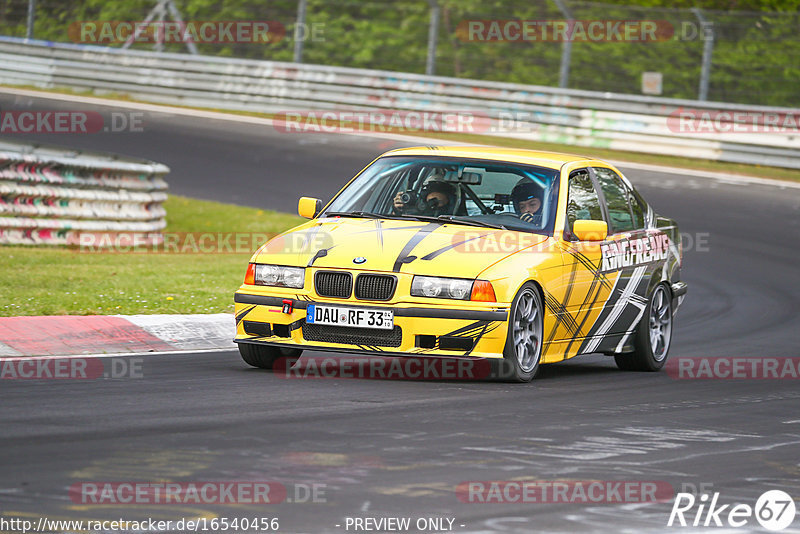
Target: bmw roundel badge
{"x":359,"y":260}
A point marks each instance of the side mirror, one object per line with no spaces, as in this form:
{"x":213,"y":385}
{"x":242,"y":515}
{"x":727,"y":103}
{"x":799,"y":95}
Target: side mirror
{"x":586,"y":230}
{"x":309,"y":207}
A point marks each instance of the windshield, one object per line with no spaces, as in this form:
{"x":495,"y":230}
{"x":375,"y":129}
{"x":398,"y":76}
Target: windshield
{"x":469,"y":191}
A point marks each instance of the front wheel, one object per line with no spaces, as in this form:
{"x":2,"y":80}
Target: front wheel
{"x":523,"y":349}
{"x":263,"y":356}
{"x":653,"y":335}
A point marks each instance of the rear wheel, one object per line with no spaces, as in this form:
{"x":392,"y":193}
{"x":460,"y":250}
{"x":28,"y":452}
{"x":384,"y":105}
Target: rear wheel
{"x":653,"y":335}
{"x":263,"y":356}
{"x":523,"y":349}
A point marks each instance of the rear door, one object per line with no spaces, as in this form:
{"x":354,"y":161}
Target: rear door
{"x":626,"y":251}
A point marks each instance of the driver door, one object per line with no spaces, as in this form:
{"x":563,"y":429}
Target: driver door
{"x":586,"y":286}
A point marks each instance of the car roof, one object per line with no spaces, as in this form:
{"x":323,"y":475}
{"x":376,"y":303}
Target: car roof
{"x":551,"y":160}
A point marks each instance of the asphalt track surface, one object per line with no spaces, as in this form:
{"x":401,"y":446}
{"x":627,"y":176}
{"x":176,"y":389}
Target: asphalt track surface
{"x":389,"y":448}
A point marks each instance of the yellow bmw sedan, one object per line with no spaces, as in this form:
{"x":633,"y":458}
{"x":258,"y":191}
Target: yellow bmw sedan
{"x":521,"y":257}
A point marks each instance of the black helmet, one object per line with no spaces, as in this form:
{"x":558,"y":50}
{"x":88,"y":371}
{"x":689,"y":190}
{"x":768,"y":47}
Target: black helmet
{"x":525,"y":191}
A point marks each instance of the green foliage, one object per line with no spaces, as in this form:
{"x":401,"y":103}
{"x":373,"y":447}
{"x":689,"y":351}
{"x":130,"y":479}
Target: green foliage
{"x":756,"y":42}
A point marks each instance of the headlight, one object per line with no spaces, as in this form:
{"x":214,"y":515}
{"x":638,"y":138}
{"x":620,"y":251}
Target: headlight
{"x":443,"y":288}
{"x":276,"y":275}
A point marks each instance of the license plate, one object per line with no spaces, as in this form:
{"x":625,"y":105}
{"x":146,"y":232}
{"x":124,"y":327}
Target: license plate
{"x":359,"y":317}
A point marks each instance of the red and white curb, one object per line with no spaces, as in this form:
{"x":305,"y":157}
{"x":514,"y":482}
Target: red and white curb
{"x":114,"y":334}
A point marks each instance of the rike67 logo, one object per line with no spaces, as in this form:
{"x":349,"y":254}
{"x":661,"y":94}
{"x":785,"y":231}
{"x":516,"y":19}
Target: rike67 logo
{"x":774,"y":510}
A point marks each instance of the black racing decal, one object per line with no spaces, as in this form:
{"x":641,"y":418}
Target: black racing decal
{"x":559,"y":310}
{"x":588,"y":310}
{"x":477,"y":338}
{"x":594,"y":289}
{"x":321,"y":253}
{"x":563,"y":316}
{"x":415,"y":240}
{"x":617,"y":294}
{"x":392,"y":229}
{"x":631,"y":252}
{"x":475,"y":331}
{"x":470,"y":330}
{"x":241,"y":315}
{"x":628,"y":312}
{"x":588,"y":264}
{"x":435,"y":253}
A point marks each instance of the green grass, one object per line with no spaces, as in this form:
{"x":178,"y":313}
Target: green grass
{"x":57,"y":281}
{"x":776,"y":173}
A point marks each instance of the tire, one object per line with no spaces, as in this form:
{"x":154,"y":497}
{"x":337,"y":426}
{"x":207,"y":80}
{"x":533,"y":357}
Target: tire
{"x":264,"y":357}
{"x":523,"y":350}
{"x":653,"y":335}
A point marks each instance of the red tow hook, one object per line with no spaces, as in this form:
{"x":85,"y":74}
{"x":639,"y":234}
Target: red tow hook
{"x":287,"y":306}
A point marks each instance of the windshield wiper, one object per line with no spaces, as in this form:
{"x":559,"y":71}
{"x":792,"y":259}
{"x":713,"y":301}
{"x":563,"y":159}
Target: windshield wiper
{"x":441,"y":218}
{"x":362,"y":215}
{"x":470,"y":222}
{"x":456,"y":219}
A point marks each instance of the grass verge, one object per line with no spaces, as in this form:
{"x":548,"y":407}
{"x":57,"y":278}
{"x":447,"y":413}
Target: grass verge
{"x":58,"y":281}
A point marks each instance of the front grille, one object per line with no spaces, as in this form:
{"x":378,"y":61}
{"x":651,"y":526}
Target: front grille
{"x":351,"y":335}
{"x":375,"y":286}
{"x":333,"y":284}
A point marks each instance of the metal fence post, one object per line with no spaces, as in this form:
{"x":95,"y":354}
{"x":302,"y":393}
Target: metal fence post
{"x":433,"y":36}
{"x":31,"y":18}
{"x":566,"y":52}
{"x":707,"y":34}
{"x":177,"y":17}
{"x":300,"y":26}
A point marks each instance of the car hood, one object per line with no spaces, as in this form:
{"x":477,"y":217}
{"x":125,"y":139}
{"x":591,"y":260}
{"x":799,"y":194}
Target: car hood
{"x":394,"y":246}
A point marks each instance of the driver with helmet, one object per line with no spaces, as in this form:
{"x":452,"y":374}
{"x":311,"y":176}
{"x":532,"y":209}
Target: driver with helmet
{"x":527,"y":200}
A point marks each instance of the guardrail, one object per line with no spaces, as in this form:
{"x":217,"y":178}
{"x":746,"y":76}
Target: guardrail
{"x":53,"y":196}
{"x":757,"y":135}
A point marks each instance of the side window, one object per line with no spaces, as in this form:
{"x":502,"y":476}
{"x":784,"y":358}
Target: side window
{"x":583,"y":202}
{"x":617,"y":195}
{"x":637,"y":207}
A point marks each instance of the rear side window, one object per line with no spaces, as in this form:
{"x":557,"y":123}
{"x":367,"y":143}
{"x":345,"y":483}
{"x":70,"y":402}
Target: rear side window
{"x":583,"y":202}
{"x":637,"y":207}
{"x":618,"y":202}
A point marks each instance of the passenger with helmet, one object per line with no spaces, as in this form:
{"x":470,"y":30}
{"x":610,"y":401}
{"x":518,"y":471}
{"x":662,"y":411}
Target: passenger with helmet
{"x":527,"y":200}
{"x":435,"y":198}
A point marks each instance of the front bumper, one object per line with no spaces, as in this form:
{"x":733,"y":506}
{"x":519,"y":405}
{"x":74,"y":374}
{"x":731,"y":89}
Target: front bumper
{"x":419,"y":330}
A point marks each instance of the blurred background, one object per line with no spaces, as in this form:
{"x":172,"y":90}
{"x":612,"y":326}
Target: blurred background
{"x":719,"y":50}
